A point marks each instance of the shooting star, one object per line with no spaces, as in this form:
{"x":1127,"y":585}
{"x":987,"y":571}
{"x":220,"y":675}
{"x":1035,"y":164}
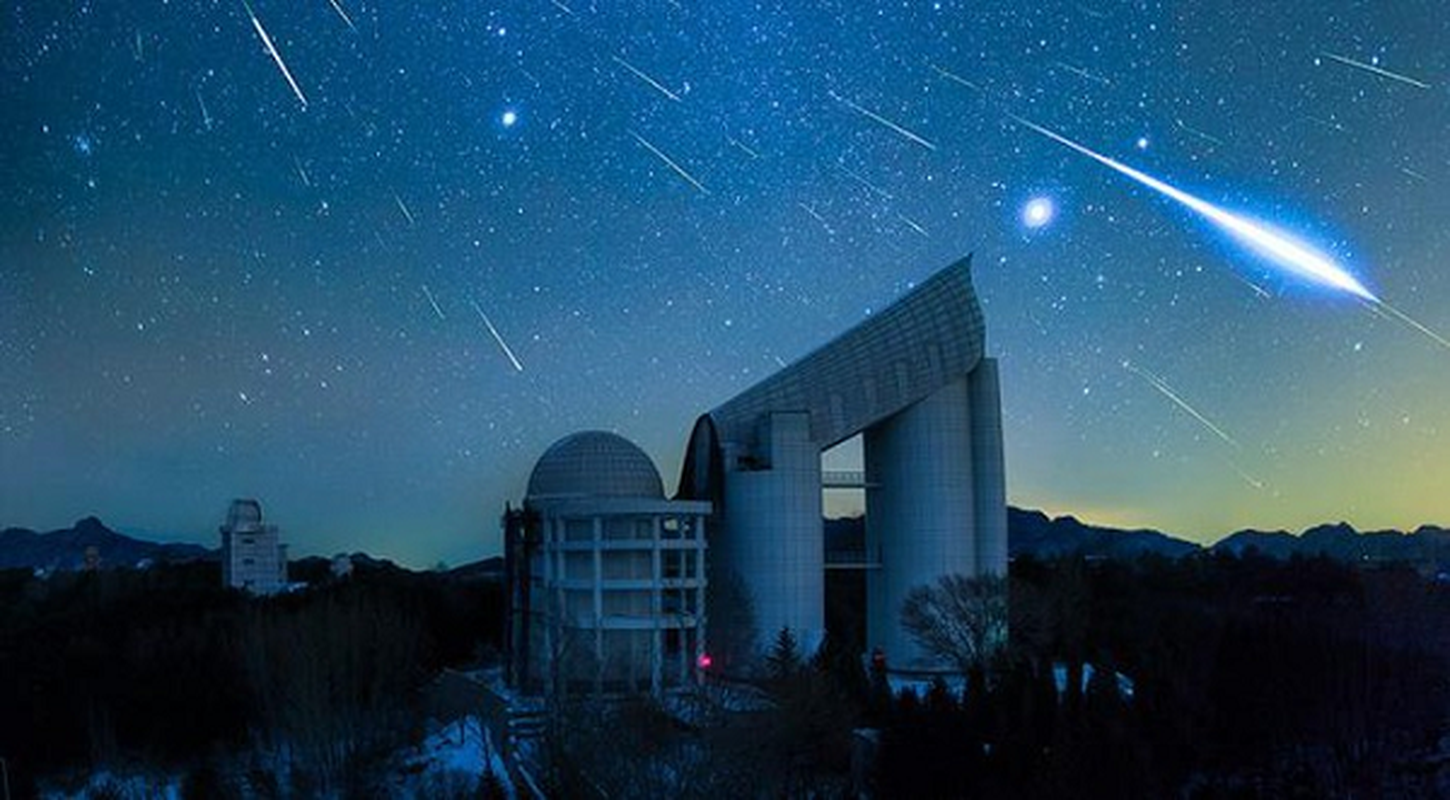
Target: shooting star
{"x":301,"y":172}
{"x":647,"y":79}
{"x":913,"y":225}
{"x":1375,"y":70}
{"x":205,"y":115}
{"x":1183,"y":126}
{"x":679,"y":170}
{"x":404,"y":208}
{"x":1258,"y":290}
{"x":501,"y":343}
{"x":1167,"y":391}
{"x":873,"y":116}
{"x":562,"y":7}
{"x":432,"y":302}
{"x":955,"y":78}
{"x":276,"y":56}
{"x":861,"y":180}
{"x":743,"y":147}
{"x":341,"y":12}
{"x":818,"y":218}
{"x":1082,"y":73}
{"x":1419,"y":176}
{"x":1282,"y":250}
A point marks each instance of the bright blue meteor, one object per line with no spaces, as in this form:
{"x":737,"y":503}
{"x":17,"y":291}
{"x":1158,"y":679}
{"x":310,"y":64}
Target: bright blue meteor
{"x":1284,"y":250}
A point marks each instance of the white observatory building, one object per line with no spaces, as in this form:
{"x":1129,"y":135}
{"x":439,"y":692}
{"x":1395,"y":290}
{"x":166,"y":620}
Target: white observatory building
{"x":253,"y":557}
{"x":606,"y":575}
{"x":608,"y":578}
{"x":914,"y":381}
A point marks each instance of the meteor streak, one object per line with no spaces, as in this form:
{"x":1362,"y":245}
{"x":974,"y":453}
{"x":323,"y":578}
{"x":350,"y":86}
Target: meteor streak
{"x":647,"y":79}
{"x":1371,"y":68}
{"x":276,"y":56}
{"x":1280,"y":247}
{"x":955,"y":78}
{"x":1167,"y":391}
{"x":432,"y":302}
{"x":403,"y":208}
{"x":679,"y":170}
{"x":877,"y":118}
{"x":501,"y":343}
{"x":913,"y":225}
{"x":337,"y":6}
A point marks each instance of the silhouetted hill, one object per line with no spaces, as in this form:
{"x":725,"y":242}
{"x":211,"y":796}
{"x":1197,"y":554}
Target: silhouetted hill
{"x":1033,"y":533}
{"x":66,"y":548}
{"x":1427,"y":544}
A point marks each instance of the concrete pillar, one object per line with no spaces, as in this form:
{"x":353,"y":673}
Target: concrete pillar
{"x":920,"y":512}
{"x":773,"y":539}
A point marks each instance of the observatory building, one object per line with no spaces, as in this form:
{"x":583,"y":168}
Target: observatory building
{"x":914,"y":381}
{"x":253,"y":558}
{"x":606,"y":575}
{"x":608,"y":580}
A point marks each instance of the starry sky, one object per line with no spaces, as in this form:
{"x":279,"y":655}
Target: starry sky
{"x":365,"y":260}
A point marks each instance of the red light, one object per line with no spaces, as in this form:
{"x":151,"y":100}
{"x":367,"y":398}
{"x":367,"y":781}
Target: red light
{"x":704,"y":661}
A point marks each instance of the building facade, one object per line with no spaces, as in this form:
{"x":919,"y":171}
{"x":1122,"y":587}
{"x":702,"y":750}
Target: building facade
{"x":914,"y":381}
{"x":253,"y":557}
{"x":606,"y":576}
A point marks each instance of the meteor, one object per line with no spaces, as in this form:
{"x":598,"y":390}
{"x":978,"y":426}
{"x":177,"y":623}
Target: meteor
{"x":501,"y":343}
{"x":880,"y":120}
{"x":1283,"y":249}
{"x":276,"y":56}
{"x":341,"y":12}
{"x":1374,"y":70}
{"x":679,"y":170}
{"x":647,"y":79}
{"x":432,"y":302}
{"x":1167,"y":391}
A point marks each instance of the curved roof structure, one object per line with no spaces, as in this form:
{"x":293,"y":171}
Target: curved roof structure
{"x":594,"y":464}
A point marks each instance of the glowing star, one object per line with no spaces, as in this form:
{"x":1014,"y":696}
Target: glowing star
{"x":509,"y":118}
{"x":1038,"y":212}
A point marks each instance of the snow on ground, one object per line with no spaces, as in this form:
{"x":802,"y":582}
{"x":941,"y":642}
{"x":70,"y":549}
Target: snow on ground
{"x":125,"y":787}
{"x":452,"y":760}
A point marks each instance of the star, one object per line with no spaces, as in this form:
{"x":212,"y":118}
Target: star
{"x":1038,"y":212}
{"x":509,"y":118}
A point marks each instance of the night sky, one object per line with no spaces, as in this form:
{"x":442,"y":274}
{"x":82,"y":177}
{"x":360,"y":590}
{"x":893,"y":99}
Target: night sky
{"x":216,"y":284}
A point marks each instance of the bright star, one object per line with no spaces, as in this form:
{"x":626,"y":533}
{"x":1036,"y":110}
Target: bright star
{"x":509,"y":118}
{"x":1038,"y":212}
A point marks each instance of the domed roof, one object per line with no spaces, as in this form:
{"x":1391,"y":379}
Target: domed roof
{"x":595,"y":464}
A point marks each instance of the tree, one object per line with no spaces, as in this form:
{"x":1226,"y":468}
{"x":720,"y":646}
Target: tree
{"x":959,"y":619}
{"x":784,"y":659}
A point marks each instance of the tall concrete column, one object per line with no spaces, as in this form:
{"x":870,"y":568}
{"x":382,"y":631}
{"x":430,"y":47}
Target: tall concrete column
{"x":988,"y":468}
{"x":920,"y":512}
{"x":774,"y":540}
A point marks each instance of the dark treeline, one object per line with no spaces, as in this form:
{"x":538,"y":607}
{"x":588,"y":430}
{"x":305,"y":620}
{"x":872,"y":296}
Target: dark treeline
{"x":164,"y":667}
{"x":1203,"y":677}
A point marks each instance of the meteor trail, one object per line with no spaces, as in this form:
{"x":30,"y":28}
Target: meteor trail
{"x":913,"y":225}
{"x":818,"y":218}
{"x":1371,"y":68}
{"x":432,"y":302}
{"x":955,"y":78}
{"x":276,"y":56}
{"x":647,"y":79}
{"x":1082,"y":73}
{"x":403,"y":208}
{"x":501,"y":343}
{"x":873,"y":116}
{"x":337,"y":6}
{"x":859,"y":179}
{"x":1283,"y":249}
{"x":205,"y":115}
{"x":1167,"y":391}
{"x":742,"y":146}
{"x":679,"y":170}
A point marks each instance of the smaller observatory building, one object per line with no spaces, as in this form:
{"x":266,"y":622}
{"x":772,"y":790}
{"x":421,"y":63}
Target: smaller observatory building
{"x":606,"y":576}
{"x":253,"y":557}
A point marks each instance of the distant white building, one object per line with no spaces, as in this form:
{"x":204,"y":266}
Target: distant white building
{"x":253,"y":559}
